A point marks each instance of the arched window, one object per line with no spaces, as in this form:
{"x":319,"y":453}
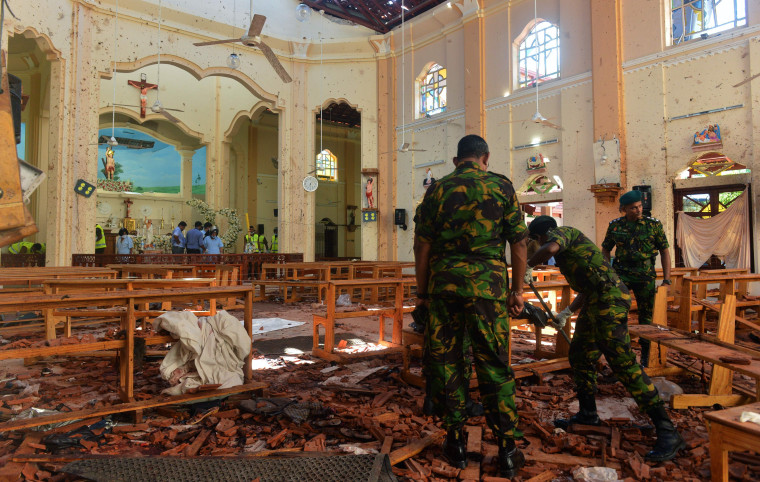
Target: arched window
{"x":699,"y":18}
{"x":433,"y":91}
{"x":538,"y":55}
{"x":327,"y":166}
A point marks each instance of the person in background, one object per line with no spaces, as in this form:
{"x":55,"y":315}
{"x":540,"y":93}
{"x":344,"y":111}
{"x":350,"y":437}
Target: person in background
{"x":251,"y":241}
{"x":23,"y":247}
{"x":207,"y":226}
{"x":275,"y":242}
{"x":124,"y":243}
{"x":178,"y":238}
{"x":195,"y":239}
{"x":100,"y":240}
{"x":263,"y":244}
{"x":601,"y":329}
{"x":212,"y":243}
{"x":637,"y":239}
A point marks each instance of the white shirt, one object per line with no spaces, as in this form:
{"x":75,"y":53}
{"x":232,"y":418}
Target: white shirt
{"x":124,"y":244}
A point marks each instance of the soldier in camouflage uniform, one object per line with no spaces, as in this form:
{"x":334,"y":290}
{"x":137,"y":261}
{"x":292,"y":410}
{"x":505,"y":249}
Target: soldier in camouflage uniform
{"x":637,"y":240}
{"x":601,"y":329}
{"x":462,"y":228}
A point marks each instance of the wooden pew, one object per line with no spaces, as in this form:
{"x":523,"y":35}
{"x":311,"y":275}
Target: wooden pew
{"x":696,"y":287}
{"x":53,"y":317}
{"x":121,"y":298}
{"x":395,"y":312}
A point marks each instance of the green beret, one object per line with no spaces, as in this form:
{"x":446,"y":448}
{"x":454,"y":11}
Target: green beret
{"x":630,"y":197}
{"x":541,"y":225}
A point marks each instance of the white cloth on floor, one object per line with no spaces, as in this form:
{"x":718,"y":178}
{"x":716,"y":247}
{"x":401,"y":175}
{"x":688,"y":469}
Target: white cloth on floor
{"x":210,"y":350}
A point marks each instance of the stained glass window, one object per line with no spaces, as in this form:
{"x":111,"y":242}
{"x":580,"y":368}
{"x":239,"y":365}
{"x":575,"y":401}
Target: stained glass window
{"x":433,"y":91}
{"x":538,"y":55}
{"x":327,"y":166}
{"x":713,"y":164}
{"x":697,"y":18}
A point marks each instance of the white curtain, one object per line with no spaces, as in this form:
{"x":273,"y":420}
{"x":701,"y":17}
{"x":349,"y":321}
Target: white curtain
{"x":725,"y":235}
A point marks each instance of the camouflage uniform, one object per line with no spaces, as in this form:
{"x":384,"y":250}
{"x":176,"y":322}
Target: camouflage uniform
{"x":602,"y":326}
{"x":637,"y":244}
{"x":468,"y":217}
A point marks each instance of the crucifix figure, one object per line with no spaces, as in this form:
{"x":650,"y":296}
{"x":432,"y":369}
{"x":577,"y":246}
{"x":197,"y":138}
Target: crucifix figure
{"x":144,"y":87}
{"x":129,"y":203}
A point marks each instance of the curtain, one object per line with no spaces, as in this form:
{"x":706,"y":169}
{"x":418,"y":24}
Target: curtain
{"x":725,"y":235}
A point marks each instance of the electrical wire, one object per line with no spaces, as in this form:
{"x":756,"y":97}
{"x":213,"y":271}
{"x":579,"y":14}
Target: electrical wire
{"x":113,"y":69}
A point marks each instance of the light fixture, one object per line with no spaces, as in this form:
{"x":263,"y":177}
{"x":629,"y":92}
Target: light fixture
{"x":535,"y":140}
{"x":233,"y":61}
{"x":303,"y":13}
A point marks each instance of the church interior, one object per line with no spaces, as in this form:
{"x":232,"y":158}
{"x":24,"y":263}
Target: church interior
{"x":307,"y":133}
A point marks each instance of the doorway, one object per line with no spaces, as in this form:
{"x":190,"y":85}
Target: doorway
{"x":706,"y":202}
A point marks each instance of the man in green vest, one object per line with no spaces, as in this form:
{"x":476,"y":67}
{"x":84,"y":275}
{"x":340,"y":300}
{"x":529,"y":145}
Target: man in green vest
{"x":23,"y":247}
{"x":251,"y":241}
{"x":275,"y":242}
{"x":100,"y":240}
{"x":263,"y":244}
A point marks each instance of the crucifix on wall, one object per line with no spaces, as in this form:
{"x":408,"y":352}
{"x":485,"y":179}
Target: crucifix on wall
{"x":144,"y":87}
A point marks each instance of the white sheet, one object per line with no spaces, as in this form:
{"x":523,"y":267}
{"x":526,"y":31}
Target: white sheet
{"x":264,"y":325}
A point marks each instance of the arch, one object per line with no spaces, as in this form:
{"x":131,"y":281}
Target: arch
{"x":42,"y":40}
{"x":151,"y":117}
{"x":539,"y":195}
{"x":196,"y":71}
{"x":711,"y":164}
{"x":257,"y":108}
{"x":548,"y":38}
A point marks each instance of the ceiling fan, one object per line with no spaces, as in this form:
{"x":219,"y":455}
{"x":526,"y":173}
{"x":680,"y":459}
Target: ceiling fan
{"x":537,"y":118}
{"x":253,"y":39}
{"x":405,"y":146}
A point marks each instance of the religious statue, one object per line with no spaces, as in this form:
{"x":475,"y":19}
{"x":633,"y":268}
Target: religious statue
{"x":368,"y":193}
{"x":536,"y":163}
{"x":144,"y":87}
{"x":149,"y":233}
{"x":110,"y":163}
{"x":429,"y":179}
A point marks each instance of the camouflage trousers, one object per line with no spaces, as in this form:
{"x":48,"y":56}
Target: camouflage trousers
{"x":644,"y":291}
{"x":487,"y":324}
{"x":602,"y":329}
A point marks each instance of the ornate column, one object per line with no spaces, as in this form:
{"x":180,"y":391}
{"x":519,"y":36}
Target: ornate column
{"x":474,"y":68}
{"x":379,"y":238}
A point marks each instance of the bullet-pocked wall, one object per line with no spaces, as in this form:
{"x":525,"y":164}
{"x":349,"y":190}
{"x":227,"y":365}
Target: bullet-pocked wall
{"x":83,"y":39}
{"x":660,"y":81}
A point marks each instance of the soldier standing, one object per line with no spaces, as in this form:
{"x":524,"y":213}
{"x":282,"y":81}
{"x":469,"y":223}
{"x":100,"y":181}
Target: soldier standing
{"x":601,"y":329}
{"x":637,"y":240}
{"x":462,"y":228}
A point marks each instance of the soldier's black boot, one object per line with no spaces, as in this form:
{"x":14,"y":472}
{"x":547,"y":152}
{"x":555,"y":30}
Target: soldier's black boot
{"x":669,"y":441}
{"x":586,"y":413}
{"x":511,"y":459}
{"x":454,"y":448}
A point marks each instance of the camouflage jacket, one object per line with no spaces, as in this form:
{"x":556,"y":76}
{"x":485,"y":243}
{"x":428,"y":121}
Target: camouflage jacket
{"x":468,"y":217}
{"x":581,"y":262}
{"x":636,"y":245}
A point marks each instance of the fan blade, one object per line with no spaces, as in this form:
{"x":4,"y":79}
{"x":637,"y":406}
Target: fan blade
{"x":272,"y":58}
{"x":257,"y":24}
{"x":124,"y":105}
{"x":169,"y":116}
{"x":550,"y":124}
{"x":216,"y":42}
{"x":173,"y":110}
{"x":416,"y":150}
{"x":747,"y":80}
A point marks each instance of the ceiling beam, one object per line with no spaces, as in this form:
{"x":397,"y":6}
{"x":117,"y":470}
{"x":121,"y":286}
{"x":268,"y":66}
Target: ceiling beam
{"x":367,"y":13}
{"x":419,"y":8}
{"x":333,"y":9}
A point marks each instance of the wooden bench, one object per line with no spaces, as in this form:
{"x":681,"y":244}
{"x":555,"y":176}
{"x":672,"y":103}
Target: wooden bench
{"x":53,"y":317}
{"x":121,"y":298}
{"x":225,"y":275}
{"x":710,"y":349}
{"x":728,"y":434}
{"x":395,"y":312}
{"x":695,"y":287}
